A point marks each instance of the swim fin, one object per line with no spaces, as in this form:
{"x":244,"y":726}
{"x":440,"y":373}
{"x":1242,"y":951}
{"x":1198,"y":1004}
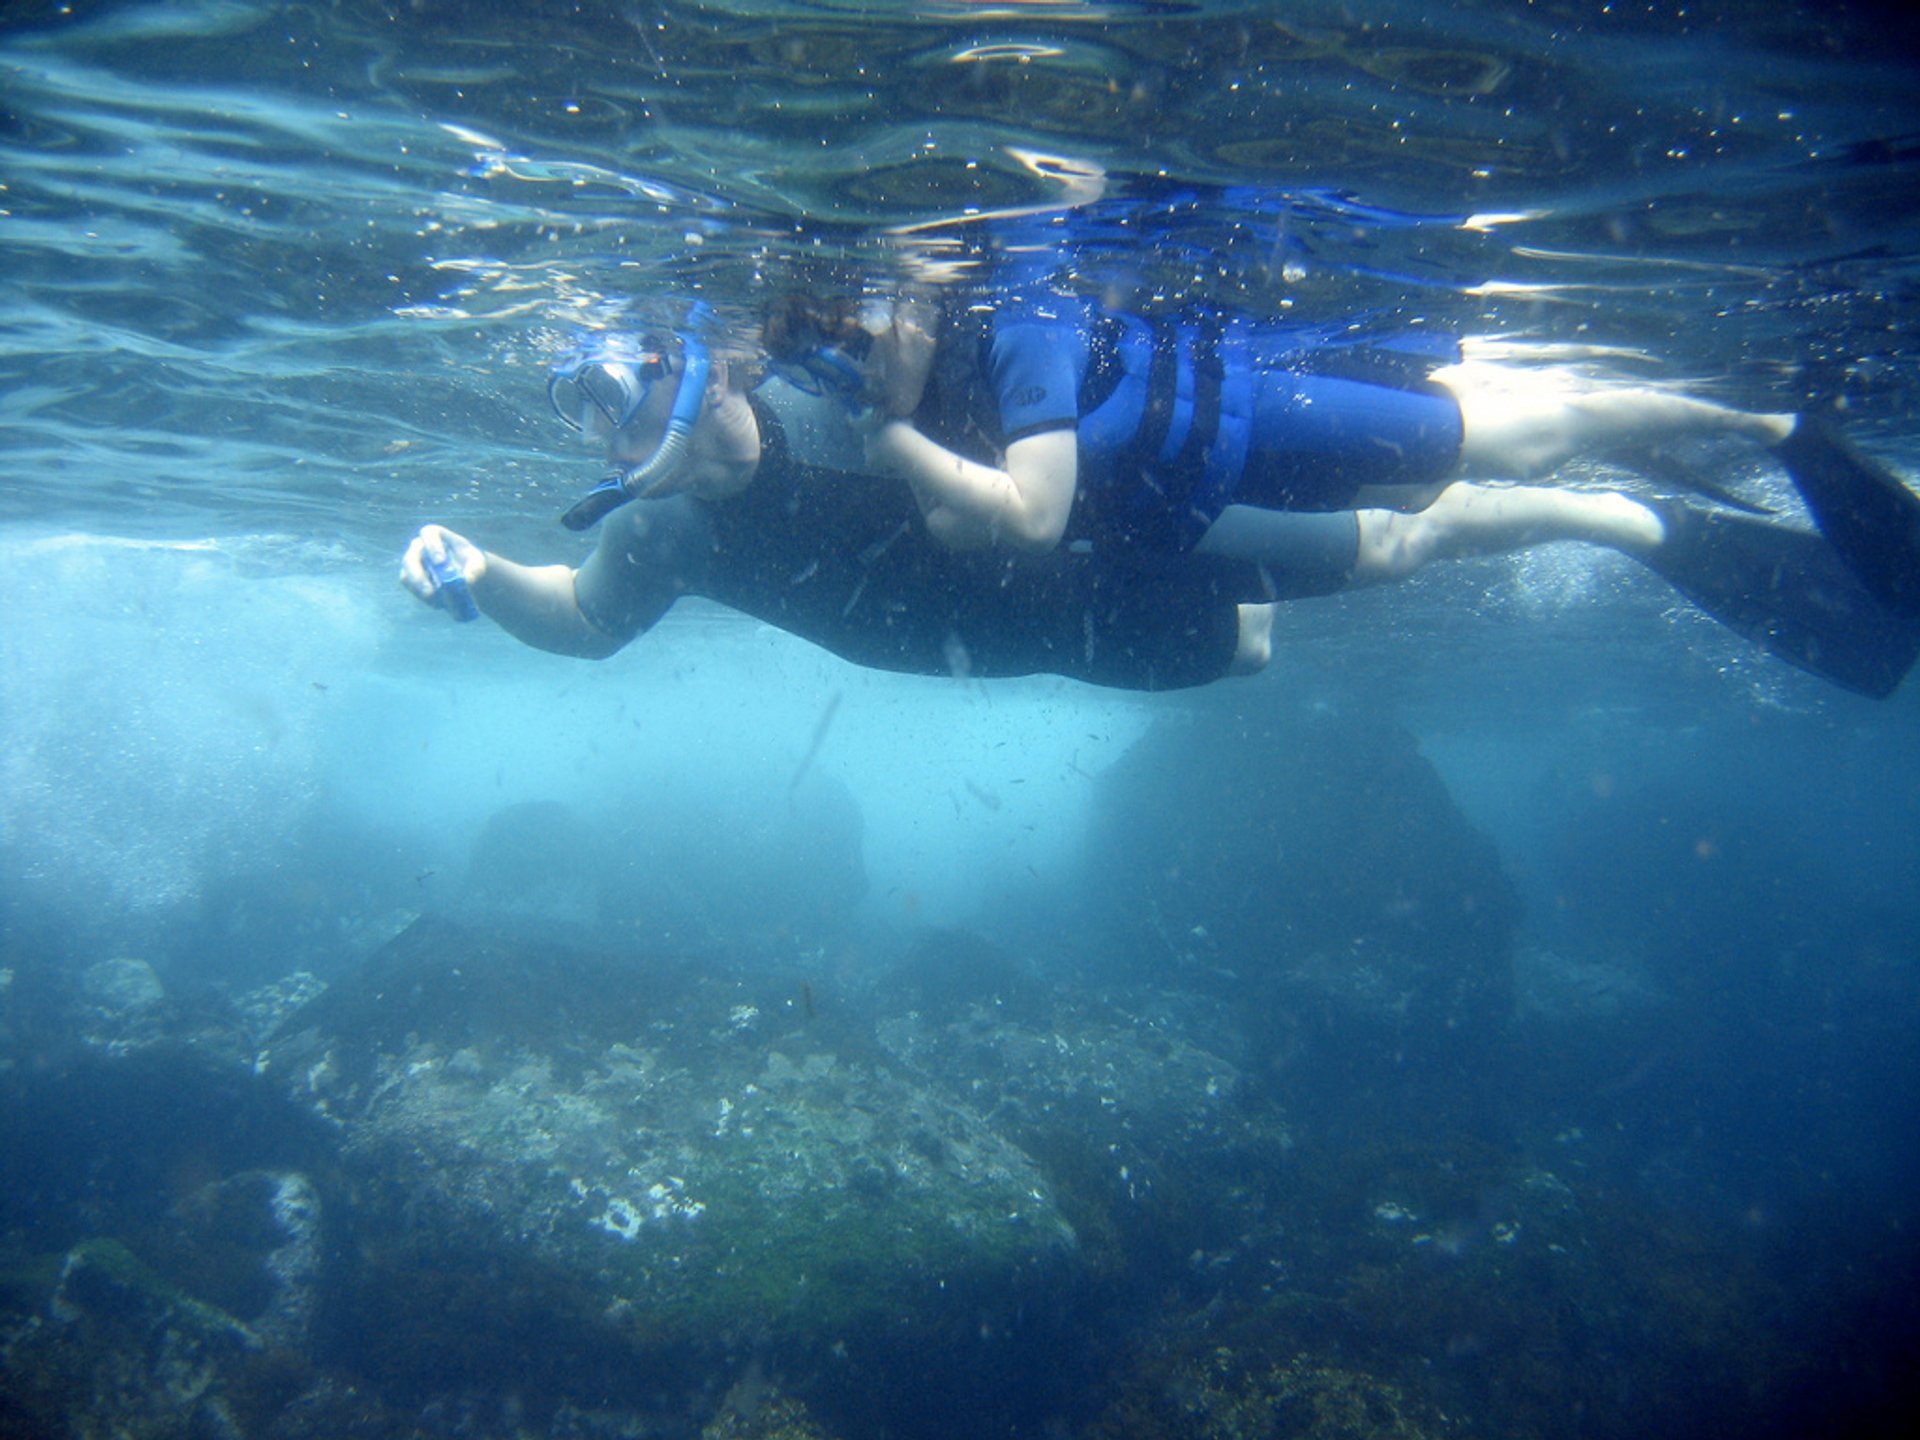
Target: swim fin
{"x":1866,"y":510}
{"x":1666,"y":469}
{"x":1789,"y":591}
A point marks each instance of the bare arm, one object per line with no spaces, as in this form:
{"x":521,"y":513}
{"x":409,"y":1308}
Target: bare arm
{"x":970,"y":506}
{"x":534,"y":604}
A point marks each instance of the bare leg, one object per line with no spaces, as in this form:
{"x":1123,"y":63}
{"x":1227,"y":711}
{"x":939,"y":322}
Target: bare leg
{"x":1470,"y":519}
{"x":1255,"y":646}
{"x":1519,"y":422}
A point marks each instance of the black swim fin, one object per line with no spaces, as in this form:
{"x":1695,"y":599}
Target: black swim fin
{"x":1866,"y":510}
{"x":1668,"y":470}
{"x":1789,"y":591}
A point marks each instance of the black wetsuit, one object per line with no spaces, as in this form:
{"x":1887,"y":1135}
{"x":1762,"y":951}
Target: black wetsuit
{"x":845,"y":561}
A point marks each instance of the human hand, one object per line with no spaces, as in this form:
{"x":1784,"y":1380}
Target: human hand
{"x":441,"y":568}
{"x":902,"y":358}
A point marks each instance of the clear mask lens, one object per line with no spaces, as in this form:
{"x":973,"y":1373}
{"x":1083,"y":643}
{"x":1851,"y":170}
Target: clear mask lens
{"x":601,"y":396}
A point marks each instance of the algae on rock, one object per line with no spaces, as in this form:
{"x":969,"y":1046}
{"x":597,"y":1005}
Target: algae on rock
{"x":659,"y":1175}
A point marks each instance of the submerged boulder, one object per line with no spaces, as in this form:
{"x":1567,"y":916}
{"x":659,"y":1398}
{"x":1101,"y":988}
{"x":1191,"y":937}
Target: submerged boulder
{"x":639,"y":1162}
{"x":1150,"y":1138}
{"x":163,"y":1234}
{"x":120,"y":1349}
{"x":1313,"y":867}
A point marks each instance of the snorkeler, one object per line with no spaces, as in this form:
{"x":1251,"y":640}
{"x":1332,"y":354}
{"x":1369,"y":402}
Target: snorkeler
{"x":1042,"y":419}
{"x":728,"y":512}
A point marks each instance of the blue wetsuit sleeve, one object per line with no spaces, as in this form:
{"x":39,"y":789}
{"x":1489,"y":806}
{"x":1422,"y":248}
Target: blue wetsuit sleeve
{"x":1034,"y":366}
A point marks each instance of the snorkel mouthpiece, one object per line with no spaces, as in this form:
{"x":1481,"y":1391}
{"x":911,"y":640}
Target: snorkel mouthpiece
{"x":598,"y":503}
{"x":642,"y":481}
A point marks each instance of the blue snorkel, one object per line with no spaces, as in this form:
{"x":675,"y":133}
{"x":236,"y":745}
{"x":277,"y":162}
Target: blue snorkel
{"x":641,"y":481}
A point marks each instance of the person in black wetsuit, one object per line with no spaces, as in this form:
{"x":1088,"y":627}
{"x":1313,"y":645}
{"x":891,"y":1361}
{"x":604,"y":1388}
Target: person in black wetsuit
{"x":729,"y":513}
{"x":837,"y":559}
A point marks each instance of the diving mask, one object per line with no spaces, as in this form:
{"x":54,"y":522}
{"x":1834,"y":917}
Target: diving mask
{"x":589,"y":391}
{"x":830,"y":370}
{"x":612,"y":384}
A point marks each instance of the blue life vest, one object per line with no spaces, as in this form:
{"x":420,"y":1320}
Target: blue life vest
{"x":1163,"y":407}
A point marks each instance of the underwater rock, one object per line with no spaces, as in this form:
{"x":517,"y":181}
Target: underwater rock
{"x":115,"y":1109}
{"x":57,"y":1013}
{"x":122,"y":986}
{"x":119,"y":1350}
{"x":1312,"y":867}
{"x":103,"y":1278}
{"x":161,"y":1252}
{"x":1441,"y":1276}
{"x":124,"y":1003}
{"x":261,"y":1230}
{"x":756,"y":1409}
{"x":946,"y":970}
{"x":261,"y":1010}
{"x":534,"y":862}
{"x":1152,"y":1142}
{"x":1567,"y":990}
{"x":636,"y":1162}
{"x":1201,"y":1391}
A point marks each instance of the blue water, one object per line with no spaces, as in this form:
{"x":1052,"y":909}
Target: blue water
{"x":278,"y":283}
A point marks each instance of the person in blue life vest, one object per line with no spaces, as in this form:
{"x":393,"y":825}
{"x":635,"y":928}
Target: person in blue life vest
{"x":1036,"y":419}
{"x":1169,"y":573}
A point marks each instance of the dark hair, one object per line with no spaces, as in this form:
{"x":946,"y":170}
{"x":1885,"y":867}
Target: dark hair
{"x":798,"y":325}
